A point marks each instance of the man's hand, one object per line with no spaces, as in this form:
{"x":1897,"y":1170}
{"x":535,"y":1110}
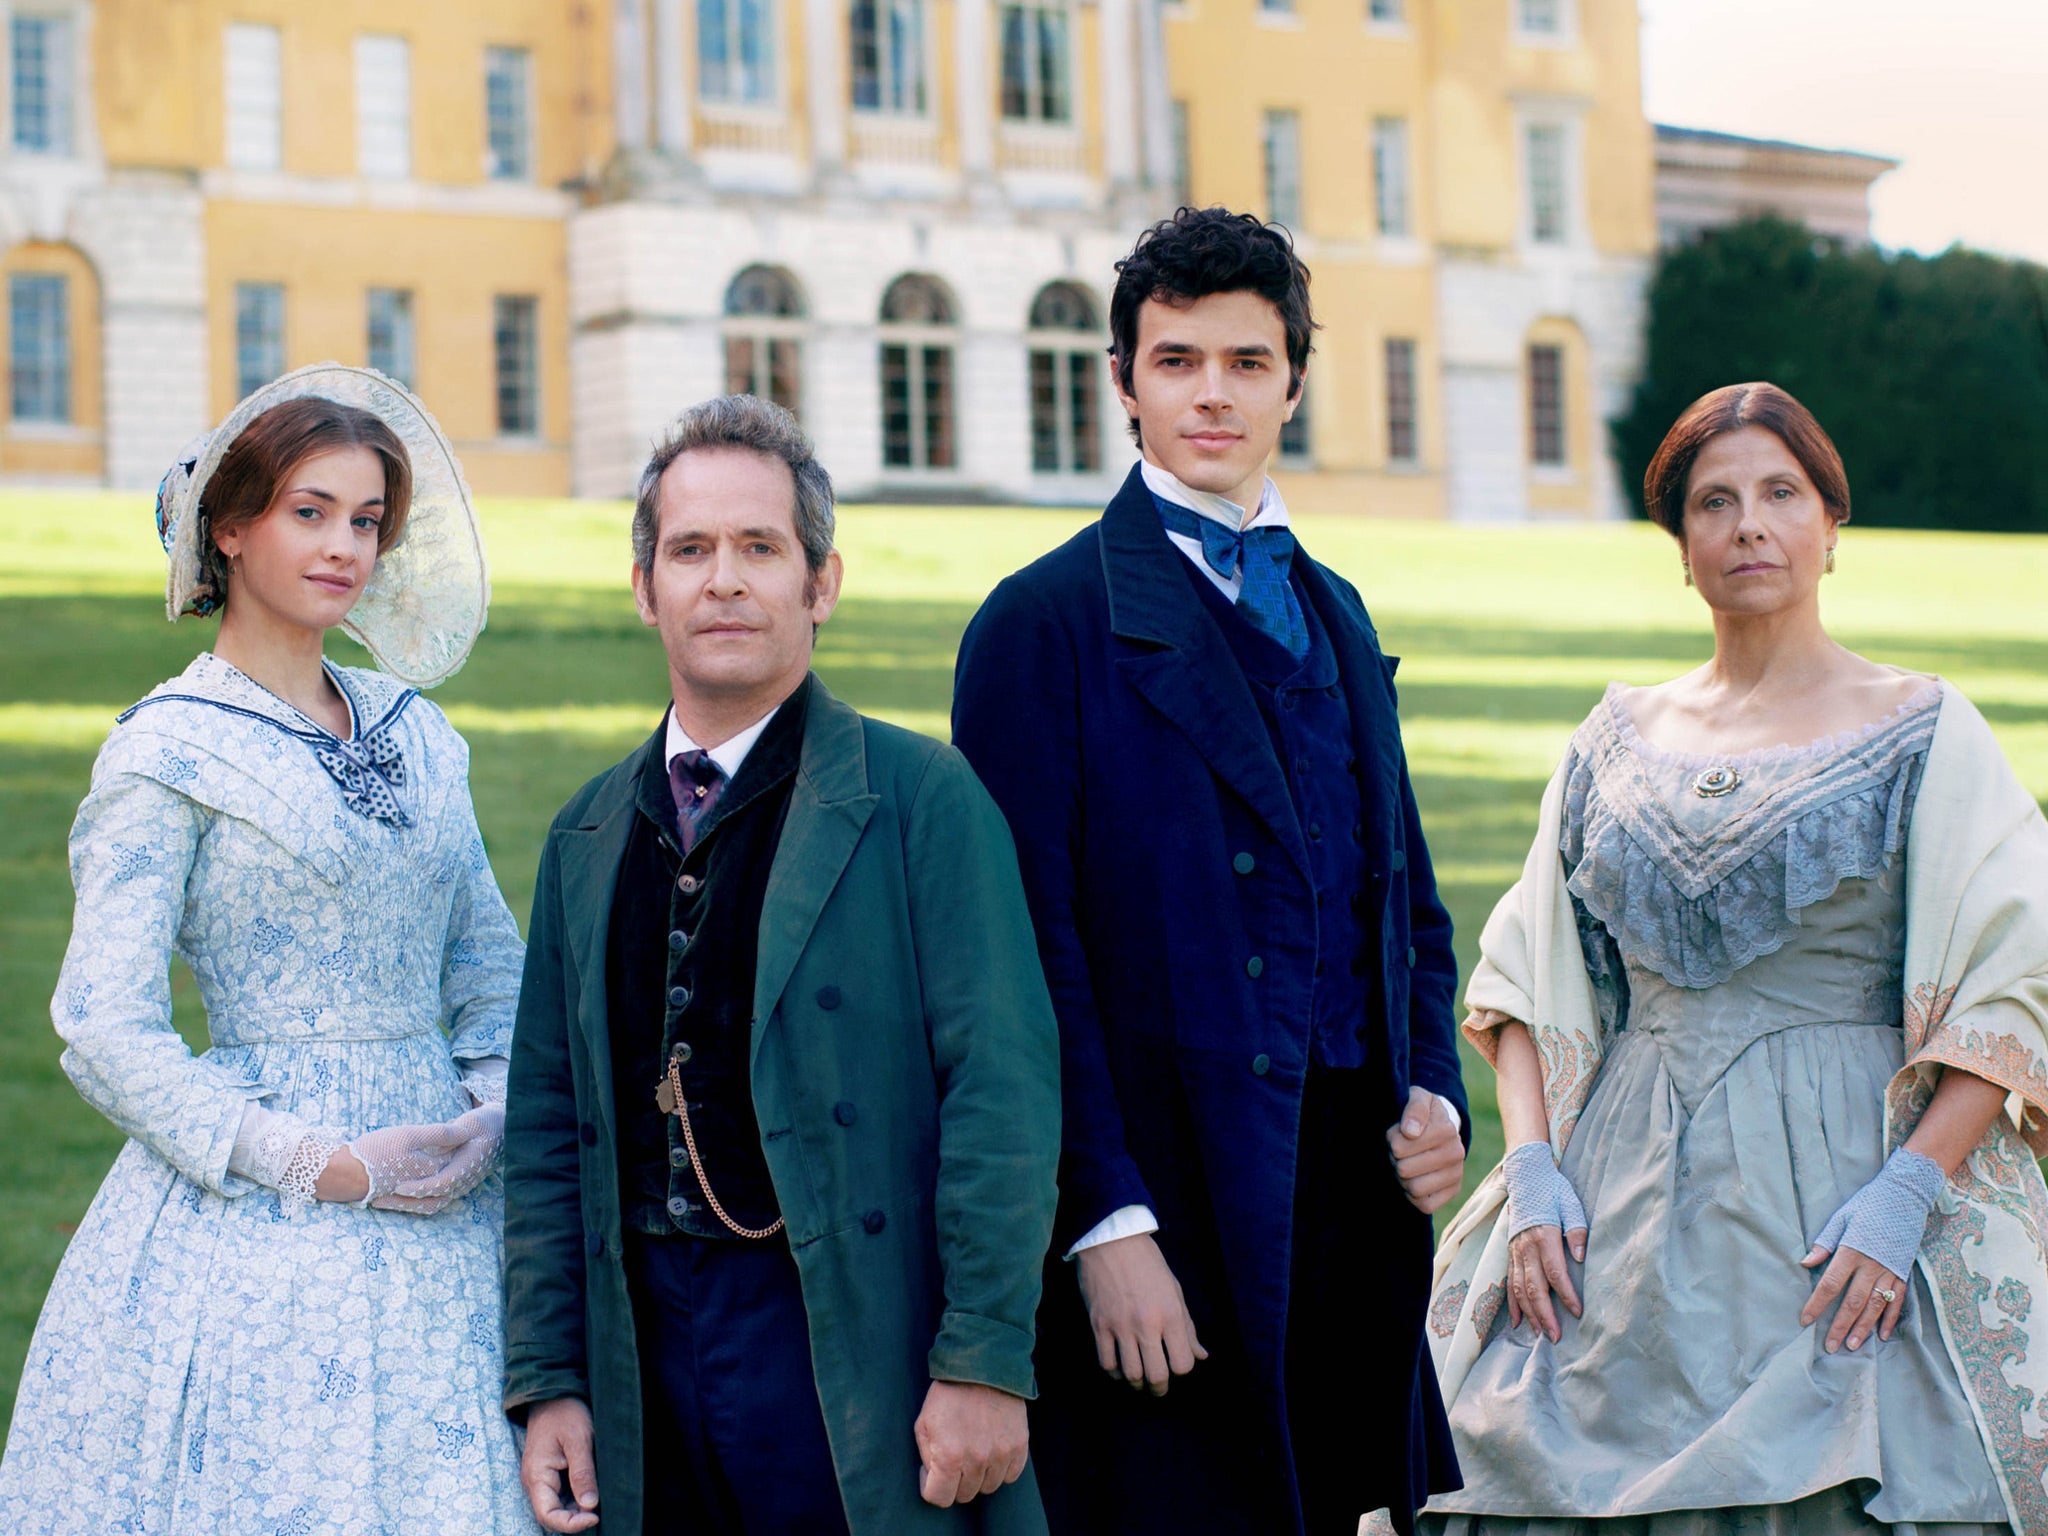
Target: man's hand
{"x":1429,"y":1155}
{"x":559,"y":1439}
{"x":972,"y":1439}
{"x":1142,"y":1327}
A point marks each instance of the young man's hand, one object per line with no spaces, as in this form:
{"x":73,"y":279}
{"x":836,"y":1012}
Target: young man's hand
{"x":560,"y":1439}
{"x":1143,"y":1330}
{"x":1429,"y":1154}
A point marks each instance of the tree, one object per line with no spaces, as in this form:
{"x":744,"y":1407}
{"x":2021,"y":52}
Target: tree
{"x":1930,"y":373}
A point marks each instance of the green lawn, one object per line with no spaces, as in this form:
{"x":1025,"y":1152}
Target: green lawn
{"x":1508,"y":636}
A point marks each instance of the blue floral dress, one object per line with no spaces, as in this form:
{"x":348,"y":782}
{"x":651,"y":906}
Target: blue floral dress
{"x":213,"y":1358}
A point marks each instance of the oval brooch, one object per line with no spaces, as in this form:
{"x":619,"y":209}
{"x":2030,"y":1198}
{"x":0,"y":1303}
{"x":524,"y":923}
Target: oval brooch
{"x":1715,"y":782}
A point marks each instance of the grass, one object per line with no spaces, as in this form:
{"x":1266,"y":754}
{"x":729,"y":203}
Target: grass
{"x":1508,"y":637}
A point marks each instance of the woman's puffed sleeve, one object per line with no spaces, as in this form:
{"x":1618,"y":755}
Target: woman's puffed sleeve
{"x":132,"y":851}
{"x":481,"y":956}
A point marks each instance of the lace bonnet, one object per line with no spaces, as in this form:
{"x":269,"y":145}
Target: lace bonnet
{"x":425,"y":603}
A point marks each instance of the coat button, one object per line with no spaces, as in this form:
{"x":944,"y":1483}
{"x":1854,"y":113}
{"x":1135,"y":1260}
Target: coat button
{"x":873,"y":1222}
{"x":689,"y":885}
{"x":682,"y":1053}
{"x":1411,"y":954}
{"x":678,"y":1207}
{"x":587,"y":1134}
{"x":594,"y":1241}
{"x":678,"y":1157}
{"x":679,"y":997}
{"x":1315,"y":831}
{"x":677,"y":939}
{"x":844,"y":1112}
{"x":1254,"y":967}
{"x":1261,"y":1064}
{"x":1399,"y":861}
{"x":1244,"y":863}
{"x":828,"y":998}
{"x":1289,"y":700}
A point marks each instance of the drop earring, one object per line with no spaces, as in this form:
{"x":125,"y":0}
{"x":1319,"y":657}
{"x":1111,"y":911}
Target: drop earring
{"x":1686,"y":566}
{"x":1828,"y":567}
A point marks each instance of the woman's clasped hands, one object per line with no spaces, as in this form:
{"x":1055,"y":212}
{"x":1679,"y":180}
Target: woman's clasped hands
{"x":418,"y":1169}
{"x":1544,"y":1215}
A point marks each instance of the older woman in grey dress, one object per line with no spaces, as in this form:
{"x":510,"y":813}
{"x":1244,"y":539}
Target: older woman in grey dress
{"x":1713,"y":1319}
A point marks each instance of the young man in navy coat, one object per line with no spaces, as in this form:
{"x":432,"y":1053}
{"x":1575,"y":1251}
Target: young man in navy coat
{"x":1191,"y":727}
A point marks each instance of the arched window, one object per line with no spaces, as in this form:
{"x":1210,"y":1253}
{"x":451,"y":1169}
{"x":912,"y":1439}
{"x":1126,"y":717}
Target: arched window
{"x":1066,"y":392}
{"x":918,"y":319}
{"x":763,"y":326}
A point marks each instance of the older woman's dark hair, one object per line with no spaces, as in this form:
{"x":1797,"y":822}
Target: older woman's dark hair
{"x":1200,"y":251}
{"x":263,"y":453}
{"x":1728,"y":409}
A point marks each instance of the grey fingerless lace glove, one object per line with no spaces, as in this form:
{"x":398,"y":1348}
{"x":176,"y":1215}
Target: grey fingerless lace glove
{"x":1539,"y":1195}
{"x":1887,"y":1217}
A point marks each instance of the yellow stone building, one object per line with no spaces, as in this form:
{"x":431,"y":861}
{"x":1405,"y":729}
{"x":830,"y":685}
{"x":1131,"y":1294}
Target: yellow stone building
{"x":562,"y":220}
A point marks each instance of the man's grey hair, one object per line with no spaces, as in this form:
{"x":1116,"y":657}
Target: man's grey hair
{"x":760,"y":426}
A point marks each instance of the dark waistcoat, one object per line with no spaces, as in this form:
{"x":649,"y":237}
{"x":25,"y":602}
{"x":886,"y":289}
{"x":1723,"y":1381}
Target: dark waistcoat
{"x":679,"y":963}
{"x":1302,"y":704}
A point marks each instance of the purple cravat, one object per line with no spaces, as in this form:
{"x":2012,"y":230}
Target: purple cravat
{"x":696,"y":782}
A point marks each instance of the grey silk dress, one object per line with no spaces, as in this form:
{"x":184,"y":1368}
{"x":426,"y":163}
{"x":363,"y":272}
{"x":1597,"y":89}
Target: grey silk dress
{"x":1746,"y":950}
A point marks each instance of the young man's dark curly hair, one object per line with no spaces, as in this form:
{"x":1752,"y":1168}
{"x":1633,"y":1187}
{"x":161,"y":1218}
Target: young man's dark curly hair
{"x":1200,"y":251}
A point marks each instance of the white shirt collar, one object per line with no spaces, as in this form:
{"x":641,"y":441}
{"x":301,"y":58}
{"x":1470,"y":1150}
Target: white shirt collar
{"x":1272,"y":512}
{"x":728,"y":754}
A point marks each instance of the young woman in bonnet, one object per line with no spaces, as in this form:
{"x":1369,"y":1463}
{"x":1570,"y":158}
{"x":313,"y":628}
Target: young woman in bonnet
{"x":1767,"y":1008}
{"x":281,"y":1311}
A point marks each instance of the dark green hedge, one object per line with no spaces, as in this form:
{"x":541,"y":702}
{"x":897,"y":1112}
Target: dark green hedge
{"x":1930,"y":373}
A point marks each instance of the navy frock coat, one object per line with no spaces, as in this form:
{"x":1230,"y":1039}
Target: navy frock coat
{"x":1101,"y":704}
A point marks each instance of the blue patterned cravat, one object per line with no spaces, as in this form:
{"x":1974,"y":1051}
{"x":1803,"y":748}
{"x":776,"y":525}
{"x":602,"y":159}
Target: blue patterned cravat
{"x":367,"y":771}
{"x":1261,"y":557}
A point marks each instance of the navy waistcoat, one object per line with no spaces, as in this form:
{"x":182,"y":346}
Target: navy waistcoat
{"x":1309,"y":723}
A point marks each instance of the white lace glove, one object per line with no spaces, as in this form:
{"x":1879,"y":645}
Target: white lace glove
{"x":484,"y":1078}
{"x":1887,"y":1218}
{"x":395,"y":1154}
{"x":477,"y":1136}
{"x":282,"y":1152}
{"x":1539,"y":1195}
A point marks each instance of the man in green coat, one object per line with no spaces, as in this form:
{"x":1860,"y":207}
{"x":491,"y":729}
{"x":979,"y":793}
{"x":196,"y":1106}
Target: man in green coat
{"x":784,"y":1101}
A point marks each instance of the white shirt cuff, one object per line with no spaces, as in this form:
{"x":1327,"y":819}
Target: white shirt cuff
{"x":1131,"y":1221}
{"x":1457,"y":1120}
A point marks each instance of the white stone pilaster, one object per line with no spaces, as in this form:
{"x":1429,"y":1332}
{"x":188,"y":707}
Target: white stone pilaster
{"x":825,"y":65}
{"x":972,"y":32}
{"x":629,"y":73}
{"x":1155,"y":99}
{"x":671,"y":80}
{"x":1121,"y":93}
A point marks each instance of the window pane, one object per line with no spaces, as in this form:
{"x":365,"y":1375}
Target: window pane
{"x":1083,"y":420}
{"x":1546,"y":183}
{"x":1277,"y":7}
{"x":259,"y":335}
{"x":1294,"y":442}
{"x":864,"y":55}
{"x":756,"y":81}
{"x":1545,"y":16}
{"x":384,"y":107}
{"x":896,"y":443}
{"x":1017,"y":68}
{"x":39,"y":346}
{"x":1546,"y":405}
{"x":1401,"y":447}
{"x":906,"y":57}
{"x":515,"y":346}
{"x":1053,"y":103}
{"x":391,"y":334}
{"x":1283,"y":168}
{"x":255,"y":98}
{"x":1390,"y":174}
{"x":507,"y":84}
{"x":1045,"y":413}
{"x":713,"y":50}
{"x":1384,"y":10}
{"x":785,"y":375}
{"x":938,"y":407}
{"x":42,"y":83}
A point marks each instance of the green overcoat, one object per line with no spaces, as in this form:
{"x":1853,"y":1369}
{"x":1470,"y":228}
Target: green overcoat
{"x":897,"y":988}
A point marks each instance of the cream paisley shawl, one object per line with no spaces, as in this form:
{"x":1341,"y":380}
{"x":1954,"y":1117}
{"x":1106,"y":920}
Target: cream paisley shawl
{"x":1976,"y":997}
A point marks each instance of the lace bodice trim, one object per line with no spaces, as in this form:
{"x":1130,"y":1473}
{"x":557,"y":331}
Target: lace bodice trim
{"x":1695,"y":907}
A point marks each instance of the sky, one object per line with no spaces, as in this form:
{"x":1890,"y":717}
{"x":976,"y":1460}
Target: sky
{"x":1956,"y":89}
